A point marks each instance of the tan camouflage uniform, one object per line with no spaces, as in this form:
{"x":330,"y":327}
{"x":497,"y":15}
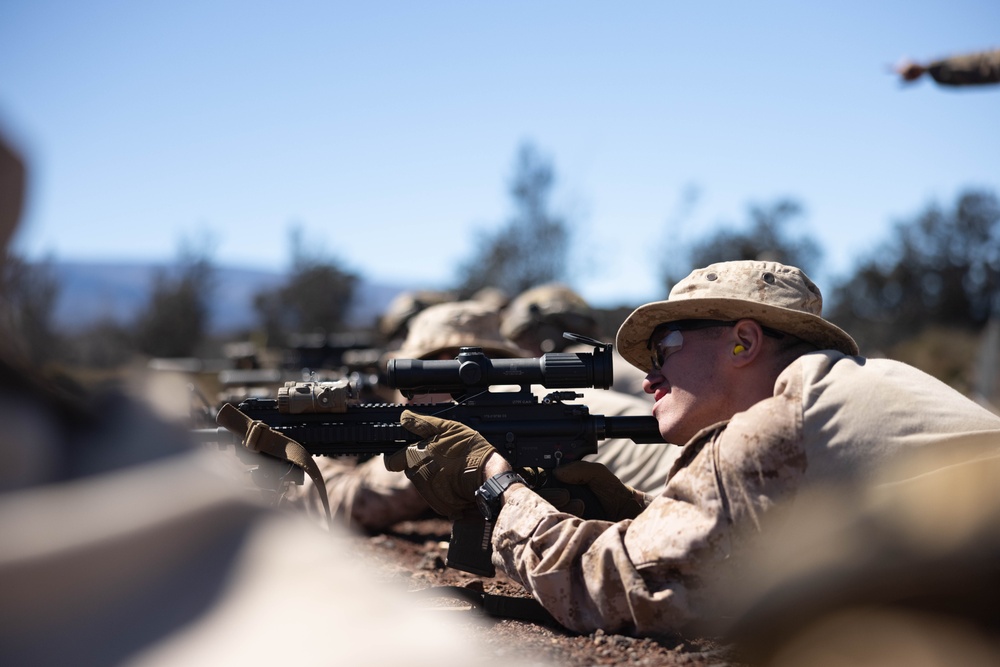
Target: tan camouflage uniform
{"x":832,"y":417}
{"x":972,"y":69}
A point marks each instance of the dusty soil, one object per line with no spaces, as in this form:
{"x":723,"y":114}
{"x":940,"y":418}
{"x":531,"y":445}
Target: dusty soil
{"x":412,"y":555}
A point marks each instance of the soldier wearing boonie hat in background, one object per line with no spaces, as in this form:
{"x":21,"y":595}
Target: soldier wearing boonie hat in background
{"x":394,"y":322}
{"x":367,"y":495}
{"x":536,"y":320}
{"x":767,"y":399}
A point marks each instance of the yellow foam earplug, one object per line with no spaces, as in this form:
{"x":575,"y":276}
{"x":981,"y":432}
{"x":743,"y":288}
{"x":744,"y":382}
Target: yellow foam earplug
{"x":738,"y":349}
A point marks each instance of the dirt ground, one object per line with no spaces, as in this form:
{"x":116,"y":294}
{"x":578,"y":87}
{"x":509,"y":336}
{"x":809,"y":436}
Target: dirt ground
{"x":412,"y":555}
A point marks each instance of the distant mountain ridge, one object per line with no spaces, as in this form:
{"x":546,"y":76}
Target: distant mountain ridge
{"x":92,"y":291}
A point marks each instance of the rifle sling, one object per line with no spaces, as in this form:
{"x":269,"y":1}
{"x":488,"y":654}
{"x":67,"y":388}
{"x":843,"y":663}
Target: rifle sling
{"x":261,"y":438}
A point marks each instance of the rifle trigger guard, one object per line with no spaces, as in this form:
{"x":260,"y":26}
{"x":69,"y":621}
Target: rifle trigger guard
{"x":257,"y":428}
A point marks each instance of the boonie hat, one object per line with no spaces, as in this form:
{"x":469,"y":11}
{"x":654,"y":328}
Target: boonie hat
{"x":448,"y":326}
{"x":775,"y":295}
{"x":552,"y":303}
{"x":394,"y":321}
{"x":491,"y":296}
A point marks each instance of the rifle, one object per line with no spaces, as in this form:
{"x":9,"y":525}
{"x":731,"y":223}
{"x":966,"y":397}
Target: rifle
{"x":325,"y":419}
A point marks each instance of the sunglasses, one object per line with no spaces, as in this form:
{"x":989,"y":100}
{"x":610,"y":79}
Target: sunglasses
{"x":667,"y":338}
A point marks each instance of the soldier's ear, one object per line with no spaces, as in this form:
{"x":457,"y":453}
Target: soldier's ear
{"x":746,"y":341}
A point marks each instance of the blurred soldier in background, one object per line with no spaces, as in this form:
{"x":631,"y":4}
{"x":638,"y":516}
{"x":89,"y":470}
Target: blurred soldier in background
{"x":965,"y":70}
{"x":536,"y":320}
{"x":494,"y":297}
{"x":394,"y":323}
{"x":123,"y":544}
{"x":367,"y":495}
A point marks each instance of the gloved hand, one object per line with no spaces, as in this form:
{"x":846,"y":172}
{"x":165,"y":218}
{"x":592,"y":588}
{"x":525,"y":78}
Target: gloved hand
{"x":446,"y":466}
{"x":618,"y":500}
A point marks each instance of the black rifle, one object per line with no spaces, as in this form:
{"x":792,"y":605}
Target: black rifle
{"x":527,"y":432}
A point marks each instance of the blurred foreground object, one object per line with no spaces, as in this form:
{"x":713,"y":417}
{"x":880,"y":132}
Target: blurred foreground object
{"x":166,"y":564}
{"x":965,"y":70}
{"x":11,"y":192}
{"x":122,"y":544}
{"x":904,"y":573}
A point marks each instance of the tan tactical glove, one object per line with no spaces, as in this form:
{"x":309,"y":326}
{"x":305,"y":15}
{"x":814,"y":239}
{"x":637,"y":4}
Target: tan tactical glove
{"x":446,"y":466}
{"x":618,"y":500}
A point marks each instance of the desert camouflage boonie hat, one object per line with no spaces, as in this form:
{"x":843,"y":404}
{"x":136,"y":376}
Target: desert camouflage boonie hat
{"x":553,"y":304}
{"x":775,"y":295}
{"x":492,"y":296}
{"x":449,"y":326}
{"x":404,"y":307}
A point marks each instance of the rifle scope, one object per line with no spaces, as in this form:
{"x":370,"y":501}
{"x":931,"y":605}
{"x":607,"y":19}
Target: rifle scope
{"x":472,"y":369}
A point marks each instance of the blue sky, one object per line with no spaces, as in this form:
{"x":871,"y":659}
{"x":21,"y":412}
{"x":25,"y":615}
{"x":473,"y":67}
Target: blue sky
{"x":387,"y":130}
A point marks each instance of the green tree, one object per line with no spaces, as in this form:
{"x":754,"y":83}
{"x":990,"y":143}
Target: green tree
{"x":763,"y":237}
{"x":314,"y":299}
{"x":939,"y":268}
{"x":532,"y":247}
{"x":174,"y":321}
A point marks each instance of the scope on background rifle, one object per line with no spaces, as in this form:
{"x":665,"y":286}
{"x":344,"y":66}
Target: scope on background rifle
{"x":326,"y":420}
